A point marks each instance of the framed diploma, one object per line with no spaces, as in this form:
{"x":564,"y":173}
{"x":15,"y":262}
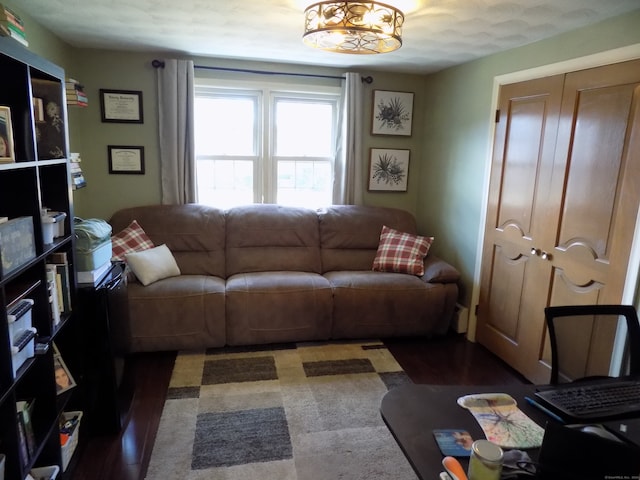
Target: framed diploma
{"x":121,"y":106}
{"x":128,"y":160}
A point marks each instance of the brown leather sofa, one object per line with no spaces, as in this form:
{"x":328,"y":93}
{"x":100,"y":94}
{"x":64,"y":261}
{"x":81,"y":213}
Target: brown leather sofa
{"x":268,"y":274}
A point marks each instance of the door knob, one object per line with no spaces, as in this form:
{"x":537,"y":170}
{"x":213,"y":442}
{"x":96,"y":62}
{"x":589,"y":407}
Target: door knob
{"x":545,"y":256}
{"x":535,"y":251}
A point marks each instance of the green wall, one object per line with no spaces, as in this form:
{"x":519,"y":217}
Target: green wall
{"x":449,"y":147}
{"x":457,"y":134}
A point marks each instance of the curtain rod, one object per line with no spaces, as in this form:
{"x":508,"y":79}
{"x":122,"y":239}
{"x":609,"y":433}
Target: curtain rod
{"x":160,"y":64}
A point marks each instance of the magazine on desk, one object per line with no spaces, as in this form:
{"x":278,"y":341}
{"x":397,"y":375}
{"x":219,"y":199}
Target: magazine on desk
{"x":502,"y":421}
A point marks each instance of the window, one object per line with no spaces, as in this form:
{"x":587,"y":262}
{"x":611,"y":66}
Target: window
{"x":265,"y":145}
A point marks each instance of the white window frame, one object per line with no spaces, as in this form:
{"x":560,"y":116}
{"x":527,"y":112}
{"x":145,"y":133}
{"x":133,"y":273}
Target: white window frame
{"x":265,"y":162}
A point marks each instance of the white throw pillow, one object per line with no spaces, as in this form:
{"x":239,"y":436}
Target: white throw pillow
{"x":153,"y":264}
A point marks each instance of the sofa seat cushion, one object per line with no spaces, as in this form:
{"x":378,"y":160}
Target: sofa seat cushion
{"x":279,"y":306}
{"x":183,"y":312}
{"x":381,"y":304}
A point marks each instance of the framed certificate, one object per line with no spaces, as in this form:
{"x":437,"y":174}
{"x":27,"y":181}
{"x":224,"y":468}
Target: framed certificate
{"x":121,"y":106}
{"x":124,"y":159}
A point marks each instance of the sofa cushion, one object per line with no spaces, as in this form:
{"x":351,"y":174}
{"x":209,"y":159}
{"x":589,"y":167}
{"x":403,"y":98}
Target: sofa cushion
{"x":378,"y":304}
{"x":350,"y":234}
{"x":401,"y":252}
{"x":152,"y":264}
{"x":275,"y":307}
{"x":177,"y":313}
{"x":130,"y":239}
{"x":265,"y":237}
{"x":195,"y":234}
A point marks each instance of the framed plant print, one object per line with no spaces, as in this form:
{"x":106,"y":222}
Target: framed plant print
{"x":392,"y":113}
{"x":388,"y":170}
{"x":124,"y":159}
{"x":6,"y":136}
{"x":121,"y":106}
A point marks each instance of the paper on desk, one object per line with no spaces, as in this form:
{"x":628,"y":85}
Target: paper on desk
{"x":502,"y":422}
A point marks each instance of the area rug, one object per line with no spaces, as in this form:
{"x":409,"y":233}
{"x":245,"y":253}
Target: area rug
{"x":307,"y":411}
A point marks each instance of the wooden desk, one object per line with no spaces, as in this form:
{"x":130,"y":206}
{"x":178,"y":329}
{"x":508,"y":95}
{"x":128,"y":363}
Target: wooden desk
{"x":412,"y":412}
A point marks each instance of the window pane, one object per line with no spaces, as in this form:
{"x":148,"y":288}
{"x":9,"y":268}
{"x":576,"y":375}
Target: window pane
{"x":304,"y":128}
{"x":224,"y":126}
{"x":304,"y":183}
{"x":225,"y":183}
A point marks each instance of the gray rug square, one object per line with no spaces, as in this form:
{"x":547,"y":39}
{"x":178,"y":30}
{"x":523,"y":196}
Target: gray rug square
{"x":230,"y":370}
{"x":338,"y":367}
{"x":235,"y":438}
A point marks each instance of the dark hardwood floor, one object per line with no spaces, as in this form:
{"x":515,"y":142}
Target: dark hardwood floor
{"x":447,"y":360}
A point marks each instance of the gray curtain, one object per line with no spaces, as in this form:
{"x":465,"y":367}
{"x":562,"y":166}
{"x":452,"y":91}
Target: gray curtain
{"x":348,"y":171}
{"x":175,"y":114}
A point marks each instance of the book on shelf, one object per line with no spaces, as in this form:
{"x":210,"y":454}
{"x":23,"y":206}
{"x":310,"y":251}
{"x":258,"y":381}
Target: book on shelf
{"x":73,"y":83}
{"x":9,"y":30}
{"x":8,"y":25}
{"x":22,"y":440}
{"x":10,"y":21}
{"x":25,"y":410}
{"x":77,"y":180}
{"x":8,"y":14}
{"x":61,"y":263}
{"x":76,"y":95}
{"x":38,"y":109}
{"x":52,"y":288}
{"x":94,"y":276}
{"x":78,"y":103}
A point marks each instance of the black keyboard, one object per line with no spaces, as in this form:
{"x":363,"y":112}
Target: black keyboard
{"x":594,"y":401}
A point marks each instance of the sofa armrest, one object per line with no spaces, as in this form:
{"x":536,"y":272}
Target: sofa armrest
{"x":437,"y":270}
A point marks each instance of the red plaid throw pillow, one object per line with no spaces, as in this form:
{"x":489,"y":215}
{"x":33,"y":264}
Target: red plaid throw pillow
{"x":131,"y":239}
{"x":401,"y":252}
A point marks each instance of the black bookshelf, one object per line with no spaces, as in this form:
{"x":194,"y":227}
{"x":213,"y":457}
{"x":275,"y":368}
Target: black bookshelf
{"x":35,"y":176}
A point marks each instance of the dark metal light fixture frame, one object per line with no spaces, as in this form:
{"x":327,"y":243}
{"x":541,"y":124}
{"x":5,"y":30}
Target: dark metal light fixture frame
{"x":353,"y":27}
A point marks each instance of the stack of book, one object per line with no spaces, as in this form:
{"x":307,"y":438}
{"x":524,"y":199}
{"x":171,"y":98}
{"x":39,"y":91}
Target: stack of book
{"x":75,"y":93}
{"x":77,"y":177}
{"x":11,"y":25}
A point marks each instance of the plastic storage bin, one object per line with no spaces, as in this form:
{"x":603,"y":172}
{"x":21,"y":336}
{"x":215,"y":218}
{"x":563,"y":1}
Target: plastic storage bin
{"x":58,"y":230}
{"x":17,"y":244}
{"x":72,"y":442}
{"x":45,"y":473}
{"x":94,"y":258}
{"x":93,"y":244}
{"x":21,"y":333}
{"x":48,"y":225}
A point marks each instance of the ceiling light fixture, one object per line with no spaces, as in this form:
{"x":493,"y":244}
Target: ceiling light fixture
{"x":353,"y":27}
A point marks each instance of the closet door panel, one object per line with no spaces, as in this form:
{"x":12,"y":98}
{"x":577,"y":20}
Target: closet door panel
{"x":595,"y":227}
{"x":512,"y":276}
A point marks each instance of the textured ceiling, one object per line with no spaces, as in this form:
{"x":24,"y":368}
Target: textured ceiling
{"x":437,"y":33}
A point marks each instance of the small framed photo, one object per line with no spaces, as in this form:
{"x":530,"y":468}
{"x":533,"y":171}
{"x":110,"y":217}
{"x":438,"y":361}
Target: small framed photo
{"x":392,"y":113}
{"x":7,"y":154}
{"x":125,"y":159}
{"x":388,"y":170}
{"x":121,"y":106}
{"x":64,"y":380}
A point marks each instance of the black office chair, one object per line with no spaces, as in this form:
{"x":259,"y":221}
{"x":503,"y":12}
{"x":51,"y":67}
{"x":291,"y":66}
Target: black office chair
{"x":582,"y":341}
